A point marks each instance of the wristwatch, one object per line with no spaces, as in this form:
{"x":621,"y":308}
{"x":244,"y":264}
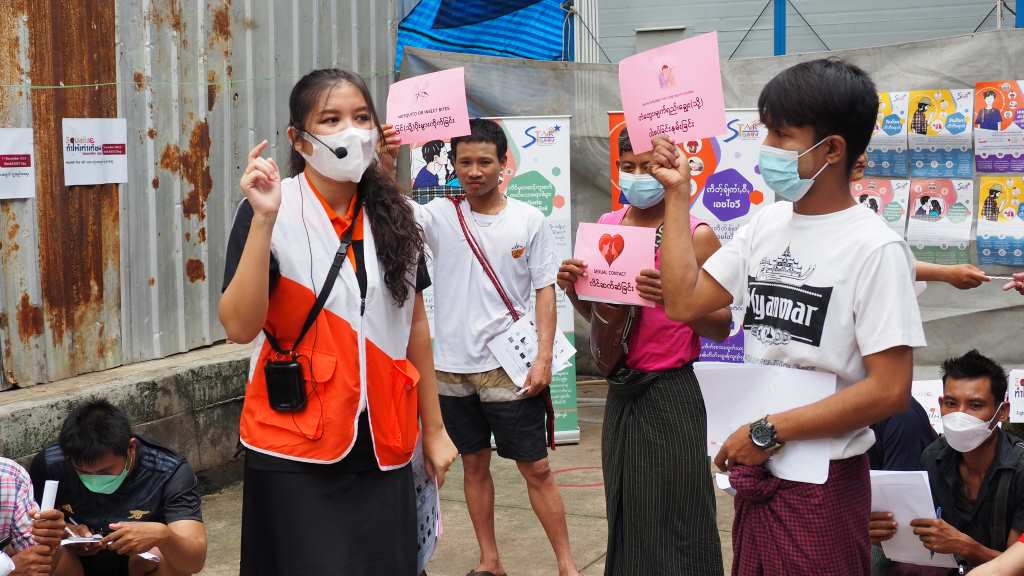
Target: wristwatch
{"x":763,"y":435}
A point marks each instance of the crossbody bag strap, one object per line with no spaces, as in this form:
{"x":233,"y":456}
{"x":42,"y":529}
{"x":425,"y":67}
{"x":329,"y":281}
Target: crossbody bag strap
{"x":481,"y":256}
{"x":325,"y":290}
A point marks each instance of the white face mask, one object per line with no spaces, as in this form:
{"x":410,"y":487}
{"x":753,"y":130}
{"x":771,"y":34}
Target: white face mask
{"x":357,"y":147}
{"x":964,"y":432}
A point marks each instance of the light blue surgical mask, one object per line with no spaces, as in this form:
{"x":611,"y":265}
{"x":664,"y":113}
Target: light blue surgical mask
{"x":781,"y":172}
{"x":642,"y":191}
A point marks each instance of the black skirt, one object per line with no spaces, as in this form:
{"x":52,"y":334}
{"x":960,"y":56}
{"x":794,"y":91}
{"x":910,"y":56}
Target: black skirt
{"x":315,"y":519}
{"x":661,"y":507}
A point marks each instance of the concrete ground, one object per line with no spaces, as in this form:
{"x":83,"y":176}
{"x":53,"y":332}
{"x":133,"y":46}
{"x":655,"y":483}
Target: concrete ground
{"x":524,"y":547}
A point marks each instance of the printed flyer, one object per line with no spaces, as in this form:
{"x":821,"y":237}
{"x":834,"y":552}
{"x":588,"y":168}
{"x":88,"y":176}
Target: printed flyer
{"x":429,"y":107}
{"x":1016,"y":393}
{"x":999,"y":126}
{"x":940,"y":135}
{"x":673,"y":90}
{"x":727,"y":188}
{"x":17,"y":169}
{"x":95,"y":151}
{"x":1001,"y":220}
{"x":887,"y":151}
{"x":940,"y":220}
{"x":536,"y":172}
{"x":615,"y":256}
{"x":885,"y":197}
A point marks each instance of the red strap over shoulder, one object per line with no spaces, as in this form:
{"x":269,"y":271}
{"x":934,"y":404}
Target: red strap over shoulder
{"x":481,"y":256}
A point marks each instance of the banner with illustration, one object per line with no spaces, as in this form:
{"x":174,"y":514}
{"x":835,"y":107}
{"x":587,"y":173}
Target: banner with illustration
{"x":886,"y":197}
{"x":939,"y":133}
{"x":1001,"y":220}
{"x":999,"y":126}
{"x":887,"y":151}
{"x":940,"y":220}
{"x":536,"y":172}
{"x":727,"y":190}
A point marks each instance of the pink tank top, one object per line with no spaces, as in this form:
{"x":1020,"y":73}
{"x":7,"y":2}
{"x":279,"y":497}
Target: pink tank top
{"x":658,"y":343}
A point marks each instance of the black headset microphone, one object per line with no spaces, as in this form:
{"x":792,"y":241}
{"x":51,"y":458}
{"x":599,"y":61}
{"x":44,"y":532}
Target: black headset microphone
{"x":339,"y":152}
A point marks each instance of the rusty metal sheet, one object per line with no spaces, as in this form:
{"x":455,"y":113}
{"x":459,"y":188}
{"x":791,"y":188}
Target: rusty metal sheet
{"x":96,"y":276}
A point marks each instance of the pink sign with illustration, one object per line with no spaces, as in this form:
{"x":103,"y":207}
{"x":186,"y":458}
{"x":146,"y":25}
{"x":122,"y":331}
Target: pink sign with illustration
{"x":429,"y":107}
{"x":614,"y":255}
{"x":673,"y":90}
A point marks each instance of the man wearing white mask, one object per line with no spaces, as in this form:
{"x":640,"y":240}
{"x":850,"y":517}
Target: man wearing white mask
{"x":975,"y":469}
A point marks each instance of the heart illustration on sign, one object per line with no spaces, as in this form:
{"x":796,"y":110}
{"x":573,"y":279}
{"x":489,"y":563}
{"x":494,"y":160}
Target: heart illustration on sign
{"x":610,"y":246}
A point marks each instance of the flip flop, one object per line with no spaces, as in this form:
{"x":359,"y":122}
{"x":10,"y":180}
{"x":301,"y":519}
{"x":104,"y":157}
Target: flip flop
{"x":484,"y":573}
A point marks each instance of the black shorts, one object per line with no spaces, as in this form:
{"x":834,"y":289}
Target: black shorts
{"x":517,"y":425}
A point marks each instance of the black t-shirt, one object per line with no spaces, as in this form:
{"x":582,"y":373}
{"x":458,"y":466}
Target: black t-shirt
{"x":361,"y":457}
{"x":161,"y":487}
{"x":900,"y":440}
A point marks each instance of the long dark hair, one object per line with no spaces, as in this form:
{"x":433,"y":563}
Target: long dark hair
{"x":399,"y":238}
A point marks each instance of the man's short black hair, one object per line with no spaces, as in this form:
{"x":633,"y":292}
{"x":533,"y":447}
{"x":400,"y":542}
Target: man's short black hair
{"x":624,"y":144}
{"x":486,"y":131}
{"x":988,"y":93}
{"x":93,"y":430}
{"x":829,"y":95}
{"x":975,"y":365}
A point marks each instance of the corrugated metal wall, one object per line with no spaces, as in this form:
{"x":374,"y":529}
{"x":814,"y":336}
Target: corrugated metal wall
{"x":842,"y":24}
{"x":98,"y":276}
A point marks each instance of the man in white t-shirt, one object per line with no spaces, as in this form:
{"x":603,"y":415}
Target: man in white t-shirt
{"x":478,"y":398}
{"x":827,"y":286}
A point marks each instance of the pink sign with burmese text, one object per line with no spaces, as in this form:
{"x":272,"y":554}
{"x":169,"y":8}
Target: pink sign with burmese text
{"x":673,"y":90}
{"x":429,"y":107}
{"x":614,"y":255}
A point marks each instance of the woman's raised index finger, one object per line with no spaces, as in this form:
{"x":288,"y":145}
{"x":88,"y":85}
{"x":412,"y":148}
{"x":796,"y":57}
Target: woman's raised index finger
{"x":255,"y":152}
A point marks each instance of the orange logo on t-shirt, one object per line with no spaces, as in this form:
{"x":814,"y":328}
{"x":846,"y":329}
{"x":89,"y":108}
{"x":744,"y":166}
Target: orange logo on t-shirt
{"x":518,"y":250}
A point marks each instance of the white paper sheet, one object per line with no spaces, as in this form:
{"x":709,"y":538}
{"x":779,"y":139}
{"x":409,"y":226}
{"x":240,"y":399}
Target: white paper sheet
{"x":17,"y":164}
{"x":738,"y":394}
{"x":49,"y":495}
{"x":516,"y":349}
{"x":1016,"y":393}
{"x":722,"y":481}
{"x":428,"y":509}
{"x":907,"y":496}
{"x":95,"y":150}
{"x":927,"y":394}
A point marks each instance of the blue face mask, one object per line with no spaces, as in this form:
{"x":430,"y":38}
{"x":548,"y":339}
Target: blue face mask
{"x":780,"y":170}
{"x":642,"y":191}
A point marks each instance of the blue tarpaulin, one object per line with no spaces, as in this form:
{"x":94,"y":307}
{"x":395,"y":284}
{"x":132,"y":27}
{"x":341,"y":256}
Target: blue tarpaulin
{"x":534,"y":29}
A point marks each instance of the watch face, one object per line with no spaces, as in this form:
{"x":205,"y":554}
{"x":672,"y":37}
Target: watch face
{"x":761,"y":435}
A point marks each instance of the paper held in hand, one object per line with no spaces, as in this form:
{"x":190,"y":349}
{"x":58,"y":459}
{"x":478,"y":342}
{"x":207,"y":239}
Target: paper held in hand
{"x":907,"y":496}
{"x":673,"y":90}
{"x":614,"y":255}
{"x":429,"y":107}
{"x":516,"y":349}
{"x":737,"y":394}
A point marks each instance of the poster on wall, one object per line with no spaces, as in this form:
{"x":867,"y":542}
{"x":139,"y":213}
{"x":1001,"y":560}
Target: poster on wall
{"x":886,"y":197}
{"x":940,"y":135}
{"x":940,"y":220}
{"x":726,"y":191}
{"x":999,"y":126}
{"x":95,"y":151}
{"x":537,"y":173}
{"x":17,"y":169}
{"x":887,"y":150}
{"x":1001,"y":220}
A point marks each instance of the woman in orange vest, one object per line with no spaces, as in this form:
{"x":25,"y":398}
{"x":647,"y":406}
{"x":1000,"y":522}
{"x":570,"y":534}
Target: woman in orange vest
{"x":324,"y":271}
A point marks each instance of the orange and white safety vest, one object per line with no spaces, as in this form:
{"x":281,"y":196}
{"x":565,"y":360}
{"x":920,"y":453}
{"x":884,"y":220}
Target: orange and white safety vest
{"x":350,"y":360}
